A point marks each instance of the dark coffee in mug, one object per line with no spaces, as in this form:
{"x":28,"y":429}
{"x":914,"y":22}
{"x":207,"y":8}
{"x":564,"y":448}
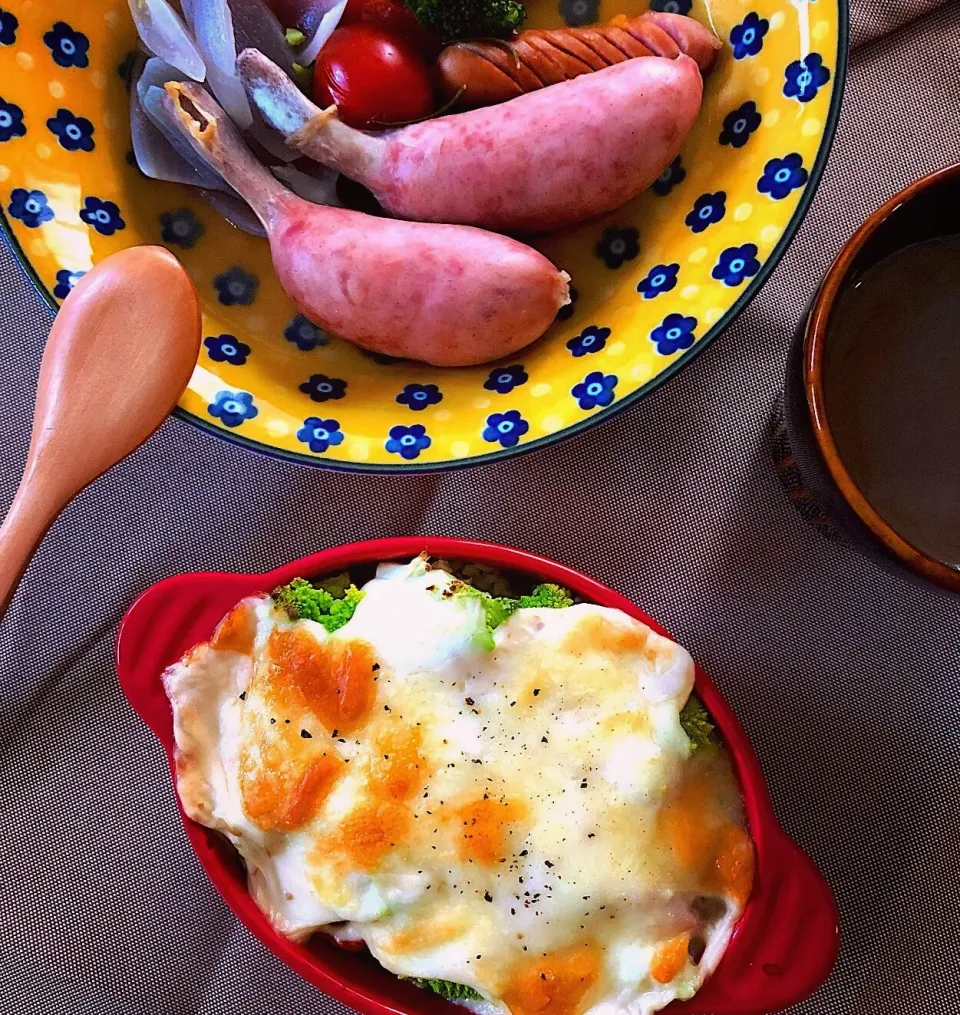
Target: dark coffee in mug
{"x":892,"y":391}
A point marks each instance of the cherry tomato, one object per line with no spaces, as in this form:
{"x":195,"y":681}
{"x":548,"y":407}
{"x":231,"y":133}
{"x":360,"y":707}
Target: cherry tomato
{"x":373,"y":77}
{"x":397,"y":18}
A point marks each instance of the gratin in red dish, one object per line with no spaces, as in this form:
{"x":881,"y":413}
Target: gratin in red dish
{"x":783,"y":947}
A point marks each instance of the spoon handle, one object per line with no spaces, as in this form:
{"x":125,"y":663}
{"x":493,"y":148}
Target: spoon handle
{"x":32,"y":512}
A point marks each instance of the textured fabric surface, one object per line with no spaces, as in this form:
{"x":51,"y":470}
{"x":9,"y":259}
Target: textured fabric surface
{"x":845,"y":677}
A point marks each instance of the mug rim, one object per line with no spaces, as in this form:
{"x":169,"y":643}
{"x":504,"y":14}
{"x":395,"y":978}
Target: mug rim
{"x":814,"y":344}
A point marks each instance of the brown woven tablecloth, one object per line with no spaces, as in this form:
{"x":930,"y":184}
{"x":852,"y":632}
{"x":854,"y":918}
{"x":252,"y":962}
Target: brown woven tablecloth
{"x":847,"y":679}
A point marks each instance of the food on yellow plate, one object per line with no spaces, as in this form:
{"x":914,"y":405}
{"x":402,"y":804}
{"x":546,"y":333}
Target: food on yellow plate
{"x":445,"y":294}
{"x":514,"y":801}
{"x":232,"y":126}
{"x":486,"y":71}
{"x":545,"y":159}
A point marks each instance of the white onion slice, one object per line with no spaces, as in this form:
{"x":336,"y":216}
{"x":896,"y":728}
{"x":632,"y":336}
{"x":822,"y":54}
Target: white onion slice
{"x":155,"y":74}
{"x":163,"y":32}
{"x":212,"y":24}
{"x":308,"y":52}
{"x":318,"y":189}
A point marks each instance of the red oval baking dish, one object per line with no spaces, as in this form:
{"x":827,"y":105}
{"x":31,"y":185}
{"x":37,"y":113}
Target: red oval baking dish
{"x":788,"y":937}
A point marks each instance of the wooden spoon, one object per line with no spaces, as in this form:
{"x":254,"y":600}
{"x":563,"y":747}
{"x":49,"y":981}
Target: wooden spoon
{"x":119,"y":355}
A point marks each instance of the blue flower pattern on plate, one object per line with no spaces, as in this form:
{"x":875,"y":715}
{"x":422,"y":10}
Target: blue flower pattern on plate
{"x":736,"y":263}
{"x":576,"y":13}
{"x":617,"y":245}
{"x":322,"y":388}
{"x":407,"y":441}
{"x":30,"y":207}
{"x":227,"y":349}
{"x":504,"y":379}
{"x":236,"y":287}
{"x":233,"y":407}
{"x":11,"y":121}
{"x":8,"y":28}
{"x":661,"y":278}
{"x":671,"y":6}
{"x":595,"y":389}
{"x":669,"y":178}
{"x":804,"y":78}
{"x":505,"y":428}
{"x":67,"y":47}
{"x":591,"y":339}
{"x":708,"y":209}
{"x":419,"y":396}
{"x":566,"y":311}
{"x":780,"y":176}
{"x":75,"y":133}
{"x":104,"y":216}
{"x":66,"y":280}
{"x":320,"y":434}
{"x":304,"y":334}
{"x":181,"y":228}
{"x":740,"y":124}
{"x":675,"y":333}
{"x":747,"y":37}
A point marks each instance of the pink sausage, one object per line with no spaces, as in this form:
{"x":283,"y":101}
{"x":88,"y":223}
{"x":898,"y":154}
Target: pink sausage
{"x":449,"y":295}
{"x":568,"y":152}
{"x":545,"y":159}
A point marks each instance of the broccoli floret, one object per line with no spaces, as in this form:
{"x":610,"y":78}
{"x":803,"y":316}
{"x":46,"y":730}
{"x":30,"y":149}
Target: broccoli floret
{"x":552,"y":596}
{"x":303,"y":600}
{"x":497,"y":609}
{"x":446,"y":988}
{"x":466,"y":19}
{"x":695,"y":720}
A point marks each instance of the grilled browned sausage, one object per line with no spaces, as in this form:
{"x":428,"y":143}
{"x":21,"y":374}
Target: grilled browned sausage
{"x":486,"y":72}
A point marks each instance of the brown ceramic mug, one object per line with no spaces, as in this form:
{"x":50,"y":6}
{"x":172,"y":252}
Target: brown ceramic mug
{"x":926,"y":210}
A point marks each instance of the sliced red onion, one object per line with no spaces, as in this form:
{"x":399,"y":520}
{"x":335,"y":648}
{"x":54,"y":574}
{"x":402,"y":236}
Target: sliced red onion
{"x":311,"y":13}
{"x":151,"y":99}
{"x":256,"y":26}
{"x":318,"y":188}
{"x":212,"y":24}
{"x":325,"y":28}
{"x":163,"y":32}
{"x":235,"y":210}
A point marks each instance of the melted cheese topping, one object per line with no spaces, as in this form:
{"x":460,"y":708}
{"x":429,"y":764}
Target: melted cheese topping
{"x":528,"y":820}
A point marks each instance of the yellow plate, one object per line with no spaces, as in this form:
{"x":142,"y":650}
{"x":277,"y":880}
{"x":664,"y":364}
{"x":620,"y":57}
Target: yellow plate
{"x":655,"y":281}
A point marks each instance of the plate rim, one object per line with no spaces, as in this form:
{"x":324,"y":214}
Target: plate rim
{"x":580,"y":426}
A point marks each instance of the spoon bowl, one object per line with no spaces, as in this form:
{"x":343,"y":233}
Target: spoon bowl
{"x":120,"y":354}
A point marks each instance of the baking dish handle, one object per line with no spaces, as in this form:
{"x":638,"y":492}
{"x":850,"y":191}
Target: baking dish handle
{"x":165,"y":622}
{"x":785,"y":945}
